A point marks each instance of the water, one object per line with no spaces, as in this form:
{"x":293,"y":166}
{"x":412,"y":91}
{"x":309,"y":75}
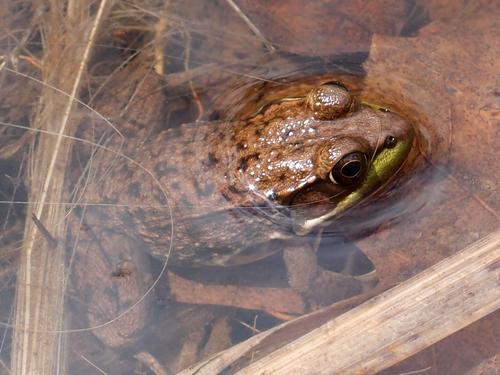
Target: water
{"x":116,"y":289}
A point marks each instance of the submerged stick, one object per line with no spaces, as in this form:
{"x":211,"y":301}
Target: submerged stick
{"x":283,"y":300}
{"x":388,"y":328}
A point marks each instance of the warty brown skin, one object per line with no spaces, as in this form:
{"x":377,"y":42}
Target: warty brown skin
{"x":224,"y":189}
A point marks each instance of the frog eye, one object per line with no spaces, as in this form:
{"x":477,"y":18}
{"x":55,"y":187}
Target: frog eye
{"x":350,"y":169}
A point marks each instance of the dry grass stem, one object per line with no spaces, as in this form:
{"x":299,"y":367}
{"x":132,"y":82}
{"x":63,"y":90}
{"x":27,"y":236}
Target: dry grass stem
{"x":251,"y":25}
{"x":100,"y":371}
{"x":35,"y":349}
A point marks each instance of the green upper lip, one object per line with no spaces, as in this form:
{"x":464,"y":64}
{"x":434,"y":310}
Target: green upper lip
{"x":382,"y":168}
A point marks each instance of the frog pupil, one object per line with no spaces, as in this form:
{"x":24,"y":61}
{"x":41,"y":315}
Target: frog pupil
{"x":351,"y":169}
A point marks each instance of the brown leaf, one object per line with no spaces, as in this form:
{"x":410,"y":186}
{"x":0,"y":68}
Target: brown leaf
{"x":444,"y":81}
{"x":321,"y":28}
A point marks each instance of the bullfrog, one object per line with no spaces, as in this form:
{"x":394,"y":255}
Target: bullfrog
{"x":228,"y":193}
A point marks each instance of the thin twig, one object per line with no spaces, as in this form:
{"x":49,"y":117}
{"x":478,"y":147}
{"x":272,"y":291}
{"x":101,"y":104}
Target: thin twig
{"x":194,"y":94}
{"x":16,"y":182}
{"x":251,"y":328}
{"x":416,"y":371}
{"x":5,"y":367}
{"x":251,"y":25}
{"x":92,"y":364}
{"x":50,"y":239}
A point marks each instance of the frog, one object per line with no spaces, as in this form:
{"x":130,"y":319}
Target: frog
{"x":227,"y":193}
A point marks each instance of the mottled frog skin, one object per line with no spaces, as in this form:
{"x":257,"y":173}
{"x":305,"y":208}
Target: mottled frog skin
{"x":226,"y":193}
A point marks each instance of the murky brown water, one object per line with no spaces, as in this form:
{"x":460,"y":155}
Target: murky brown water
{"x":155,"y":256}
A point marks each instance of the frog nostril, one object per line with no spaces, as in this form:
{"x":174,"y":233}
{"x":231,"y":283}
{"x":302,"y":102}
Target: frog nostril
{"x":390,"y":141}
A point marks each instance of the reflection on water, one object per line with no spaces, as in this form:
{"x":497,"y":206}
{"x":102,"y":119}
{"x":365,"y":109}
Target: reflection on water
{"x":175,"y":225}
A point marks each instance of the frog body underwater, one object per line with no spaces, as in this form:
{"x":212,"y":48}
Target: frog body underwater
{"x":230,"y":193}
{"x":238,"y":189}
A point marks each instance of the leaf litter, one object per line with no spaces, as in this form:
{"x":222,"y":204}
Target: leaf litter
{"x":26,"y":54}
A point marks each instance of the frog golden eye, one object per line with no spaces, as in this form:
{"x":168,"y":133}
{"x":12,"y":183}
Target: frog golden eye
{"x":350,"y":169}
{"x":329,"y":101}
